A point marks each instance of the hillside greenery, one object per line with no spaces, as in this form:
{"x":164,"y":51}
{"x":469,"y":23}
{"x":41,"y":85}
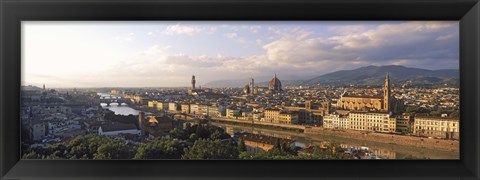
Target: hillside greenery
{"x":197,"y":142}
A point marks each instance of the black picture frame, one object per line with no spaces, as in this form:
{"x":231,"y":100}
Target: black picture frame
{"x":15,"y":11}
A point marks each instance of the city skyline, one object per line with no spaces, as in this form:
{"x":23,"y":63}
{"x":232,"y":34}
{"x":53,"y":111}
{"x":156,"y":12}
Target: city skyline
{"x":136,"y":123}
{"x":156,"y":54}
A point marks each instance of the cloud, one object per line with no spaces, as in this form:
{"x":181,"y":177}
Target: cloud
{"x":293,"y":52}
{"x":259,"y":42}
{"x":447,"y":36}
{"x":412,"y":41}
{"x":255,"y":29}
{"x":391,"y":34}
{"x":202,"y":61}
{"x":231,"y":35}
{"x":297,"y":33}
{"x":234,"y":36}
{"x":140,"y":62}
{"x":297,"y":52}
{"x":348,"y":29}
{"x":179,"y":29}
{"x":125,"y":38}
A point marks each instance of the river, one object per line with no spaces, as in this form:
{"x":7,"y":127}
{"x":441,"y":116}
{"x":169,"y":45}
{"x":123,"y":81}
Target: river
{"x":121,"y":109}
{"x":391,"y":151}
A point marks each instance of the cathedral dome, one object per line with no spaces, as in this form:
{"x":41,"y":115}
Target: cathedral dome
{"x":275,"y":84}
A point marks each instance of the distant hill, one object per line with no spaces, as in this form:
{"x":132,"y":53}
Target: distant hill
{"x":30,"y":88}
{"x":243,"y":82}
{"x":369,"y":75}
{"x":375,"y":75}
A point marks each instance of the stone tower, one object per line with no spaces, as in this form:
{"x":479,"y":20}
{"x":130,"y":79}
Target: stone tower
{"x":386,"y":94}
{"x":252,"y":86}
{"x":193,"y":82}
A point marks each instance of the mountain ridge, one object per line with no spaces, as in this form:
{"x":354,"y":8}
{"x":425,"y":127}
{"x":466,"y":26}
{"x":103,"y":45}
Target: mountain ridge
{"x":367,"y":75}
{"x":374,"y":75}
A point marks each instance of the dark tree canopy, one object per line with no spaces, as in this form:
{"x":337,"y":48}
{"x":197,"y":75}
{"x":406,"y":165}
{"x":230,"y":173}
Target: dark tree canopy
{"x":161,"y":149}
{"x":211,"y":149}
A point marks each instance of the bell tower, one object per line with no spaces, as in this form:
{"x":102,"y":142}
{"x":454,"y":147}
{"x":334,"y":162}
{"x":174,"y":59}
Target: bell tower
{"x":252,"y":86}
{"x":193,"y":82}
{"x":386,"y":94}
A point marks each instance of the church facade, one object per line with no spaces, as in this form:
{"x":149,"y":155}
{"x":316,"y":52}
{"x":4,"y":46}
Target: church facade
{"x":363,"y":103}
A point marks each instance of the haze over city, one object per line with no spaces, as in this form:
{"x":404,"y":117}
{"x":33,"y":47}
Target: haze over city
{"x":167,"y":53}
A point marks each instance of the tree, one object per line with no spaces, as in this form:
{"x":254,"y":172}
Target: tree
{"x":455,"y":114}
{"x":246,"y":155}
{"x":272,"y":154}
{"x":202,"y":122}
{"x":51,"y":157}
{"x":241,"y":146}
{"x":84,"y":147}
{"x":161,"y":149}
{"x":191,"y":129}
{"x":114,"y":150}
{"x":438,"y":112}
{"x":412,"y":110}
{"x":193,"y":137}
{"x":31,"y":155}
{"x":188,"y":125}
{"x":330,"y":151}
{"x":216,"y":135}
{"x":202,"y":132}
{"x":211,"y":149}
{"x":178,"y":133}
{"x":277,"y":145}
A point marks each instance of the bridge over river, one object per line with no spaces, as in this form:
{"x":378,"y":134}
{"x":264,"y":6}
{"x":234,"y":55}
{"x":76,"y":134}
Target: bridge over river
{"x":118,"y":101}
{"x":113,"y":99}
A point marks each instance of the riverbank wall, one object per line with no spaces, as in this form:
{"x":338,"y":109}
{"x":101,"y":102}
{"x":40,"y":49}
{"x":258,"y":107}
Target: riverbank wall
{"x":439,"y":144}
{"x":394,"y":139}
{"x":395,"y":151}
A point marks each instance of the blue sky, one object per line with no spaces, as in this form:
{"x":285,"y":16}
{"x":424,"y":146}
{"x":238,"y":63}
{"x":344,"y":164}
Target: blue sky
{"x":167,"y":53}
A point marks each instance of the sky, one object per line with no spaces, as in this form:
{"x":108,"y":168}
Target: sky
{"x":167,"y":53}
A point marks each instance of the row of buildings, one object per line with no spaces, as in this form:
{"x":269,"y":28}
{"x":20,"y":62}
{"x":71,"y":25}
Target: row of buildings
{"x":441,"y":127}
{"x":309,"y":112}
